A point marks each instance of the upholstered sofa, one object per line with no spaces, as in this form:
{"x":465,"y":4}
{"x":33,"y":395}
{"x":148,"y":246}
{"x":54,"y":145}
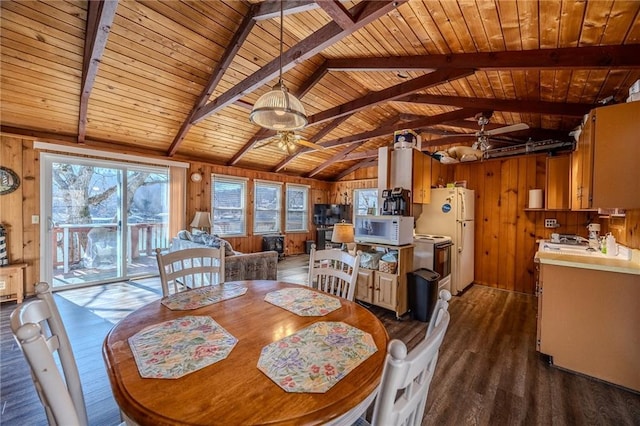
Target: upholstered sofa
{"x":240,"y":266}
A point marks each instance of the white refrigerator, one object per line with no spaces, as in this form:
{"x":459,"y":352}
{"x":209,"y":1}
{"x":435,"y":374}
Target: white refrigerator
{"x":451,"y":213}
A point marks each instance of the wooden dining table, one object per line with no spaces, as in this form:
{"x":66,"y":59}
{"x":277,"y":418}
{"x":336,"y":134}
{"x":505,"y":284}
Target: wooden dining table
{"x":234,"y":391}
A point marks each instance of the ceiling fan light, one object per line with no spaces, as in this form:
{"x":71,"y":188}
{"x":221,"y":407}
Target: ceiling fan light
{"x":279,"y":110}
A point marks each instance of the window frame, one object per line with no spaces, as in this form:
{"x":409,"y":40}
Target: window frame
{"x":305,"y":189}
{"x":356,"y":199}
{"x":217,"y":178}
{"x":278,"y":210}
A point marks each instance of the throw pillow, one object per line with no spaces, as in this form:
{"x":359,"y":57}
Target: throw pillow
{"x":184,"y":235}
{"x":217,"y":242}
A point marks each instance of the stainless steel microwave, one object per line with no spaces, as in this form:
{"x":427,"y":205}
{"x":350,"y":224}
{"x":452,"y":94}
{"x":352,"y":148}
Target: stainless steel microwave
{"x":391,"y":230}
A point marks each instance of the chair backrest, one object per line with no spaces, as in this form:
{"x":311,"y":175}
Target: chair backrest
{"x":39,"y":331}
{"x":334,"y":271}
{"x":190,"y":268}
{"x":410,"y":373}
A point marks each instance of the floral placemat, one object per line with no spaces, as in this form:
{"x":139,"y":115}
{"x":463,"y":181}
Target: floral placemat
{"x":178,"y":347}
{"x":317,"y":357}
{"x":203,"y":296}
{"x":303,"y":302}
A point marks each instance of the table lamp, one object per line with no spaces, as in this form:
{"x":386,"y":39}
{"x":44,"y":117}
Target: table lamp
{"x":342,"y":233}
{"x":201,"y":220}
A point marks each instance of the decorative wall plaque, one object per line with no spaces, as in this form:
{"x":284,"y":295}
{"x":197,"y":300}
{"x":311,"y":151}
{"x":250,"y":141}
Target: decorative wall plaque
{"x":9,"y":180}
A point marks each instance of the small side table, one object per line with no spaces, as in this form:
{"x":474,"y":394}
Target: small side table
{"x":12,"y":282}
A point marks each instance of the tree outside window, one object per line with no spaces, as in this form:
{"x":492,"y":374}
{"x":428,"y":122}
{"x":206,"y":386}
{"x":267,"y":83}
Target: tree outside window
{"x":365,"y":201}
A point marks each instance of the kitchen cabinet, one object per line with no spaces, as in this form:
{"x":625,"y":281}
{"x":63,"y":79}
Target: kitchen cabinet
{"x":558,"y":193}
{"x":12,"y":282}
{"x":605,"y":172}
{"x":588,"y":322}
{"x":384,"y":289}
{"x":411,"y":169}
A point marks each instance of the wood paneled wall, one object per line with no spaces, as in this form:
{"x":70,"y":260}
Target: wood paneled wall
{"x":199,"y":198}
{"x":17,"y":208}
{"x":506,"y":233}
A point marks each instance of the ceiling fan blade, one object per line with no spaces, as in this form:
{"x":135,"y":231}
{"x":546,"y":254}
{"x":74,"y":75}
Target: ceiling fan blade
{"x":265,"y":142}
{"x":309,"y":144}
{"x":507,"y":129}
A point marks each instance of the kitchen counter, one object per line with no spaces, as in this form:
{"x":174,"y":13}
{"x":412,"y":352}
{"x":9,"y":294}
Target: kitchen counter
{"x":595,"y":262}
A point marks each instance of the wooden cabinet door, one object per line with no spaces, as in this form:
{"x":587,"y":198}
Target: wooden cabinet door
{"x":385,"y":290}
{"x":558,"y":180}
{"x":421,"y":178}
{"x":364,"y":285}
{"x":582,"y":167}
{"x":616,"y":155}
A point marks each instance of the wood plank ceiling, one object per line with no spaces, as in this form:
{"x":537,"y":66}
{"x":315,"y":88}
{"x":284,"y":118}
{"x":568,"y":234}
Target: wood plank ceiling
{"x":179,"y":78}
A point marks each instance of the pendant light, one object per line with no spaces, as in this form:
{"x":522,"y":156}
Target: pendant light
{"x":278,"y":109}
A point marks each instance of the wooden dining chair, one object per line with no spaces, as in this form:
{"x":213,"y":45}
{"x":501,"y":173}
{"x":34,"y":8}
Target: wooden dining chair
{"x":334,"y":271}
{"x":409,"y":374}
{"x":190,"y":268}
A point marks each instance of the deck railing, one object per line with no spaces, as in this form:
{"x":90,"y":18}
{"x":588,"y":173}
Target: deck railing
{"x":74,"y":244}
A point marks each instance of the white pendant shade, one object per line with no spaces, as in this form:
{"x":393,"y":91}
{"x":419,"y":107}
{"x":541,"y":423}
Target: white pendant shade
{"x":279,"y":110}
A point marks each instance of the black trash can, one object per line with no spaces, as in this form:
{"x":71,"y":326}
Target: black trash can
{"x":423,"y":293}
{"x":307,"y":246}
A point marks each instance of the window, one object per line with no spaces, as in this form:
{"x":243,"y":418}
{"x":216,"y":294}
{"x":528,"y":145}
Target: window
{"x":228,"y":205}
{"x":365,"y":199}
{"x":297,"y":208}
{"x":266,"y":204}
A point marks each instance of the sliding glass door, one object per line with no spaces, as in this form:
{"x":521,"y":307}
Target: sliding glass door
{"x":103,"y":220}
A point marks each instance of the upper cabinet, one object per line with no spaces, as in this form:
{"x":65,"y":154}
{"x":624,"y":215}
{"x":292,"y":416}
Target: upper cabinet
{"x":557,"y":188}
{"x":605,"y":167}
{"x":411,"y":169}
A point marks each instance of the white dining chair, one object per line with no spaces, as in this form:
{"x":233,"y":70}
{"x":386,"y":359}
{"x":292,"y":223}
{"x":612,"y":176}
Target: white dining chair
{"x":404,"y":387}
{"x":334,"y":271}
{"x":190,"y":268}
{"x":40,"y":332}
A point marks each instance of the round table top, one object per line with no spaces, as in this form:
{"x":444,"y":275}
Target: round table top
{"x":234,"y":391}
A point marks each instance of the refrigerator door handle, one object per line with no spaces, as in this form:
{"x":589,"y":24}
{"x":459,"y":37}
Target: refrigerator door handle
{"x":461,"y":240}
{"x":462,"y":206}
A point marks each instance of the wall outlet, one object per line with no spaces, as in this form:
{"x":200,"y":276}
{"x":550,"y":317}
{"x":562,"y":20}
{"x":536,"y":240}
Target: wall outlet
{"x":3,"y":285}
{"x":550,"y":223}
{"x":35,"y":219}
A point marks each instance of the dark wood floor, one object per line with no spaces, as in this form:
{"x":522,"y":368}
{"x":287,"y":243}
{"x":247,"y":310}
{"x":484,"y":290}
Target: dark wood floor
{"x":488,"y":372}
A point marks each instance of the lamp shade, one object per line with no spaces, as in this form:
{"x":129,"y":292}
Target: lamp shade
{"x":279,"y":110}
{"x":201,"y":220}
{"x":342,"y":233}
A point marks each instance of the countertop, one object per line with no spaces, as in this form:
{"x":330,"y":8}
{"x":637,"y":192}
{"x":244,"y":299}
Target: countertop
{"x":587,"y":262}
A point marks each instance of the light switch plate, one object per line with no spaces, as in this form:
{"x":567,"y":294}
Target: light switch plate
{"x":35,"y":219}
{"x":3,"y":285}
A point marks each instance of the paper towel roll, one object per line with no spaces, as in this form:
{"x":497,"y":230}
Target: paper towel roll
{"x":535,"y":198}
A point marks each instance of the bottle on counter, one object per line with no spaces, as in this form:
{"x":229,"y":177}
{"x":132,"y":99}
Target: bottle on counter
{"x":612,"y":247}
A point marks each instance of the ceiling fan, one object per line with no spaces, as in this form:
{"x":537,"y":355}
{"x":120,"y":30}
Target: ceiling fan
{"x":289,"y":142}
{"x":482,"y":136}
{"x":481,"y":144}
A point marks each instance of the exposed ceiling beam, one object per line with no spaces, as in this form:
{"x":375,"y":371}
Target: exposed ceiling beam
{"x":511,"y":105}
{"x":100,"y":16}
{"x":332,"y":160}
{"x":590,"y":57}
{"x":260,"y":135}
{"x":390,"y":94}
{"x":271,"y":9}
{"x":227,"y":57}
{"x":416,"y":125}
{"x":337,"y":12}
{"x":372,"y":153}
{"x":361,"y":165}
{"x":305,"y":49}
{"x":315,"y":138}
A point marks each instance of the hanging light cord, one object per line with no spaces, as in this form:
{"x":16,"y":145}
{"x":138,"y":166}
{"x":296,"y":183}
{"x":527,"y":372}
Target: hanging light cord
{"x":281,"y":38}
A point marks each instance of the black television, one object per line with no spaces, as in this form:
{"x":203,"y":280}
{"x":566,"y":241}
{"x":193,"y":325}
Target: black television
{"x":330,"y":214}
